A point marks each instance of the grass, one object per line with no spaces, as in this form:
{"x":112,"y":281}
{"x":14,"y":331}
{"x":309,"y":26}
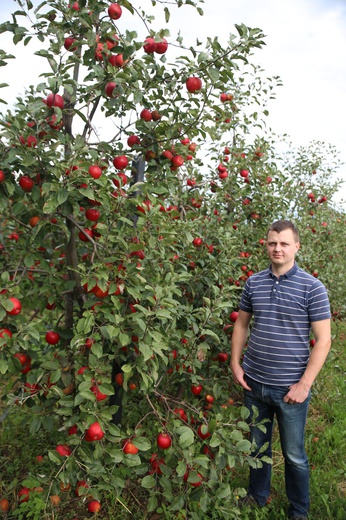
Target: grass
{"x":325,"y":443}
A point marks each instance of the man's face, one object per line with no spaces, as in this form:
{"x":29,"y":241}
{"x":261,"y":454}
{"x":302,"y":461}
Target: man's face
{"x":281,"y":249}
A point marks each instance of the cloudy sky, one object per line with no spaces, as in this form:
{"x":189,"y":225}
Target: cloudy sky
{"x":305,"y":46}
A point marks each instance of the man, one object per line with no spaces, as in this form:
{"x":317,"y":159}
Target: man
{"x":278,"y":369}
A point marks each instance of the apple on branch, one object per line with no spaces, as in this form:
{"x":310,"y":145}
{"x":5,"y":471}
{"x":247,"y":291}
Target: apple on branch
{"x":114,"y":11}
{"x":193,"y":84}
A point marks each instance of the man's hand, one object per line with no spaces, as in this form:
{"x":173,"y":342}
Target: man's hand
{"x":297,"y":393}
{"x":238,"y":377}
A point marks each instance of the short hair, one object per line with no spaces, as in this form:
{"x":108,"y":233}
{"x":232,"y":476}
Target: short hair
{"x":282,"y":225}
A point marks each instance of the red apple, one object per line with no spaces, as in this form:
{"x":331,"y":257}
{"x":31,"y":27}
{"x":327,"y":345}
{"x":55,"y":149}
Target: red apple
{"x":6,"y":332}
{"x":120,"y":162}
{"x":26,"y":183}
{"x":83,"y":235}
{"x":109,"y":89}
{"x":68,"y":43}
{"x":197,"y":484}
{"x":81,"y":484}
{"x":133,"y":140}
{"x":150,"y":45}
{"x":233,"y":316}
{"x":161,"y":47}
{"x":193,"y":84}
{"x":81,"y":370}
{"x":17,"y":307}
{"x":54,"y":100}
{"x":114,"y":11}
{"x":23,"y":358}
{"x":197,"y":242}
{"x":98,"y":394}
{"x":64,"y":450}
{"x":120,"y":180}
{"x":164,"y":441}
{"x":92,"y":214}
{"x":94,"y":432}
{"x":95,"y":171}
{"x":129,"y":448}
{"x":146,"y":115}
{"x":119,"y":379}
{"x":196,"y":390}
{"x":222,"y":357}
{"x":2,"y":176}
{"x":72,"y":430}
{"x":167,"y":154}
{"x":177,"y":160}
{"x":112,"y":41}
{"x":31,"y":141}
{"x":23,"y":494}
{"x":94,"y":506}
{"x":52,"y":121}
{"x":117,"y":60}
{"x":203,"y":432}
{"x":181,"y":413}
{"x":52,"y":337}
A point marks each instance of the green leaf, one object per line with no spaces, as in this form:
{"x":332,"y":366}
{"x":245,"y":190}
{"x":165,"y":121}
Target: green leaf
{"x":48,"y":423}
{"x":186,"y":436}
{"x":97,"y":350}
{"x":55,"y":376}
{"x":167,"y":14}
{"x":62,"y":196}
{"x":127,"y":368}
{"x":211,"y":333}
{"x":3,"y":366}
{"x":54,"y":457}
{"x":148,"y":482}
{"x":152,"y":504}
{"x":124,"y":339}
{"x":223,"y":491}
{"x":142,"y":443}
{"x":244,"y":446}
{"x":35,"y":425}
{"x":146,"y":351}
{"x":214,"y":441}
{"x":50,"y":205}
{"x":162,"y":313}
{"x":244,"y":412}
{"x":29,"y":260}
{"x":110,"y":332}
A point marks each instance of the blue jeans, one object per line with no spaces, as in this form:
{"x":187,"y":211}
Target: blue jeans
{"x":291,"y":420}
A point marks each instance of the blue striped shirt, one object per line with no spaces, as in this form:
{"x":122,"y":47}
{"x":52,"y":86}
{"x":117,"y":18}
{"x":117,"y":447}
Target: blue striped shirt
{"x":283,"y":309}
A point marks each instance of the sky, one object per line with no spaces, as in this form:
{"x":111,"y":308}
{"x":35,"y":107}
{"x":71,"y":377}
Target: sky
{"x":305,"y":46}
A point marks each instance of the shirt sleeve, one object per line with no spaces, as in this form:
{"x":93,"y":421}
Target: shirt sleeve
{"x":245,"y":303}
{"x":318,"y":302}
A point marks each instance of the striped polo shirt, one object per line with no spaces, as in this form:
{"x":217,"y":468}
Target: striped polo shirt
{"x":283,"y":309}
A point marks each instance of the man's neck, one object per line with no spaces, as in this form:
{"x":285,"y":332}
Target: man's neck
{"x":280,"y":271}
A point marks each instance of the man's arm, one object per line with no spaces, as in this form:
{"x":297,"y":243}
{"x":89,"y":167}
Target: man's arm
{"x":299,"y":391}
{"x":239,"y":337}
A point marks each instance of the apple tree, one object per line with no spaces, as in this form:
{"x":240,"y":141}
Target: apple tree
{"x":137,"y":181}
